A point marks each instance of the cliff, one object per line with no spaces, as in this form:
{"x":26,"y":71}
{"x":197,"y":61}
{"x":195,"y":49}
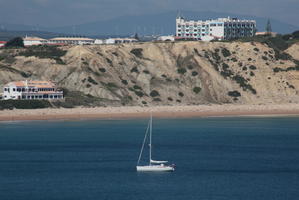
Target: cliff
{"x":181,"y":73}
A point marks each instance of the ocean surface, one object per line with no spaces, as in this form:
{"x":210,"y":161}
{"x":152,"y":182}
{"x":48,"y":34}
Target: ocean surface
{"x":217,"y":159}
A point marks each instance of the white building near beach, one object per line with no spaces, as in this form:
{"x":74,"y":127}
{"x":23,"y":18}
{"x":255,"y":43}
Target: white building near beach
{"x":219,"y":29}
{"x":31,"y":90}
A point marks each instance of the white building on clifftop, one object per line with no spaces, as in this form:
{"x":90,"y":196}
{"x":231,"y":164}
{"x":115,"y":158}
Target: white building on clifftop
{"x":220,"y":29}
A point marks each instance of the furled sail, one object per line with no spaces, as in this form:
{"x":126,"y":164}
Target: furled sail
{"x":159,"y":162}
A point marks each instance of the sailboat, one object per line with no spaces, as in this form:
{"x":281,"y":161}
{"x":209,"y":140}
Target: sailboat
{"x":153,"y":165}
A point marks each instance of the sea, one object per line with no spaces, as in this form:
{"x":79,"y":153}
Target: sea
{"x":225,"y":158}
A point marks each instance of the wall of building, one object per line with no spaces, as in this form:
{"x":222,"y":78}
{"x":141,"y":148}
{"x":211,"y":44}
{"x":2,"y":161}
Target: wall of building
{"x":221,"y":28}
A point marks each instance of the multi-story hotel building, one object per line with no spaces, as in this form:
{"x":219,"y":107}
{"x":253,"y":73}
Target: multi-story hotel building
{"x":220,"y":29}
{"x":31,"y":90}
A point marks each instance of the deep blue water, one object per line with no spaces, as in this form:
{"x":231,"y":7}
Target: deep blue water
{"x":216,"y":158}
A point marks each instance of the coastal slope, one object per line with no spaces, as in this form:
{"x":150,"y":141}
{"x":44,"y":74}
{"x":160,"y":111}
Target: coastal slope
{"x":180,"y":73}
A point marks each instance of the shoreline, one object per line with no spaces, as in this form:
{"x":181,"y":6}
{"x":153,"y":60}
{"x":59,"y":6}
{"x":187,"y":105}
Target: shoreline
{"x":225,"y":110}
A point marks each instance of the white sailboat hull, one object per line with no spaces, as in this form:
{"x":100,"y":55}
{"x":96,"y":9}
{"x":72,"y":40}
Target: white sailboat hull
{"x":155,"y":168}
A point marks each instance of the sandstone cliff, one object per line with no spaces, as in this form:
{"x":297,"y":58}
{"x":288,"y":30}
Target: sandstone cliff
{"x":181,"y":73}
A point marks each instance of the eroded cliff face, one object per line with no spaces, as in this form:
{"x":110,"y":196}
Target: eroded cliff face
{"x":181,"y":73}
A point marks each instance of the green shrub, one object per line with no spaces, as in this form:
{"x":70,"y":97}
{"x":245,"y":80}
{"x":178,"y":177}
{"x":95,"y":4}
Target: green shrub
{"x":181,"y":94}
{"x":76,"y":98}
{"x":234,"y":60}
{"x":45,"y":51}
{"x":91,"y":80}
{"x":169,"y":99}
{"x":125,"y":82}
{"x":146,"y":71}
{"x":196,"y":90}
{"x":264,"y":58}
{"x":243,"y":83}
{"x":24,"y":104}
{"x":109,"y":61}
{"x":181,"y":70}
{"x":103,"y":70}
{"x":137,"y":52}
{"x":234,"y":93}
{"x":252,"y":67}
{"x":190,"y":67}
{"x":225,"y":66}
{"x":136,"y":87}
{"x":157,"y":99}
{"x":256,"y":49}
{"x":111,"y":85}
{"x":194,"y":73}
{"x":15,"y":42}
{"x":225,"y":52}
{"x":139,"y":93}
{"x":154,"y":93}
{"x":134,"y":69}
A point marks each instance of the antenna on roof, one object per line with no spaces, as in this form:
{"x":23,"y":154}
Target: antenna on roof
{"x":179,"y":14}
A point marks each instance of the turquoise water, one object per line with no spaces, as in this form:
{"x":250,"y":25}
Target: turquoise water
{"x":216,"y":158}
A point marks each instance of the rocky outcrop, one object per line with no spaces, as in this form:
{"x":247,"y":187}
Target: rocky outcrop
{"x":181,"y":73}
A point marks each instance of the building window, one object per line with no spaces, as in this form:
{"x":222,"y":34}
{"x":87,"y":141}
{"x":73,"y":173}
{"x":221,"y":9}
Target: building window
{"x":14,"y":89}
{"x":5,"y":89}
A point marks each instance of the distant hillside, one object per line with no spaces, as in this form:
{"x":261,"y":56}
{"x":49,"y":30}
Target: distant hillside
{"x":163,"y":23}
{"x":7,"y":35}
{"x":179,"y":73}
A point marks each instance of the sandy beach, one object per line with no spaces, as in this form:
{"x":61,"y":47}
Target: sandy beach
{"x":158,"y":111}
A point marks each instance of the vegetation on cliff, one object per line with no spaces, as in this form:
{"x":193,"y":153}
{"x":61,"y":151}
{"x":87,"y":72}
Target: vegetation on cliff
{"x":180,"y":73}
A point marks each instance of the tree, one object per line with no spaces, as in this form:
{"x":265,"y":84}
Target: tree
{"x":15,"y":42}
{"x":136,"y":36}
{"x":268,"y":27}
{"x":295,"y":35}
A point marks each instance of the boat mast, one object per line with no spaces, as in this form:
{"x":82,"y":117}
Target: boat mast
{"x":150,"y":142}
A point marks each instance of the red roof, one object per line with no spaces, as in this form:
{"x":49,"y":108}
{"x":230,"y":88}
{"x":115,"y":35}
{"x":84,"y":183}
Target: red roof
{"x":3,"y":42}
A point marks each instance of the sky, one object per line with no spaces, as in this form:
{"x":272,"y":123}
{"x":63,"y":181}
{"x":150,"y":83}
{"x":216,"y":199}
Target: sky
{"x":51,"y":13}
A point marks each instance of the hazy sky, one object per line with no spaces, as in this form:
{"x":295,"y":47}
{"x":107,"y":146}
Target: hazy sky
{"x":69,"y":12}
